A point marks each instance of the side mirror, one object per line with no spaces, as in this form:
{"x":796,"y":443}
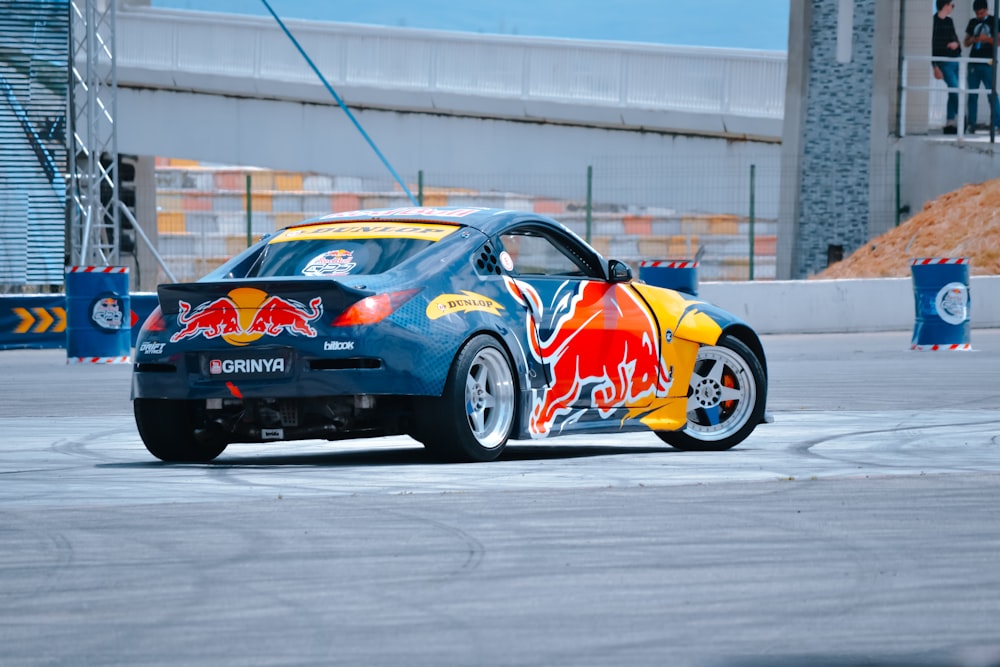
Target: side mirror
{"x":618,"y":271}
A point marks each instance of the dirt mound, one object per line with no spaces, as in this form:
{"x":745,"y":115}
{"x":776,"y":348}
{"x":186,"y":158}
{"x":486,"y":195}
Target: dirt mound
{"x":962,"y":223}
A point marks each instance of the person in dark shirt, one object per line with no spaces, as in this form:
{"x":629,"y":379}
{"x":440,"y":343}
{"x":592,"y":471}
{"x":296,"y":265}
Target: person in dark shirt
{"x":979,"y":37}
{"x":945,"y":44}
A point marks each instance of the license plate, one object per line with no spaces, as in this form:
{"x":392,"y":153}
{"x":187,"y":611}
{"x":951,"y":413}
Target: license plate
{"x":260,"y":364}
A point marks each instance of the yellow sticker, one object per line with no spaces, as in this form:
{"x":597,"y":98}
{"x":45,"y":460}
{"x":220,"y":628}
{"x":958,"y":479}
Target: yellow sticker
{"x":446,"y":304}
{"x":366,"y":230}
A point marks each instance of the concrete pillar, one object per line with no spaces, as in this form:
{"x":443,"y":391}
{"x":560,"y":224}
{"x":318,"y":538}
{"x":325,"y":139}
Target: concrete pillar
{"x":882,"y":214}
{"x":799,"y":20}
{"x":840,"y":142}
{"x":143,"y":265}
{"x":826,"y":137}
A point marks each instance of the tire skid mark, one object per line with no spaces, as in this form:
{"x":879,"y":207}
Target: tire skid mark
{"x":83,"y":446}
{"x":868,"y":563}
{"x":466,"y":635}
{"x":38,"y":575}
{"x":475,"y":549}
{"x":806,"y":446}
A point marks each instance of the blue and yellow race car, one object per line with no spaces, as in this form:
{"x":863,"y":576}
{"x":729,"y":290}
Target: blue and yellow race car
{"x":461,"y":327}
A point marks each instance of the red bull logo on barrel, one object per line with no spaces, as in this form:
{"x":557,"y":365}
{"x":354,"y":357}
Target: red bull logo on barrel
{"x":246,"y":314}
{"x":107,"y":313}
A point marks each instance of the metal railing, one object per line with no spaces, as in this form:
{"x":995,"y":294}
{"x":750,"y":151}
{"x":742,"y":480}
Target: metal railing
{"x":963,"y":91}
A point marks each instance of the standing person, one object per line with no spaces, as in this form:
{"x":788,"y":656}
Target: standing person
{"x":945,"y":44}
{"x":979,"y":36}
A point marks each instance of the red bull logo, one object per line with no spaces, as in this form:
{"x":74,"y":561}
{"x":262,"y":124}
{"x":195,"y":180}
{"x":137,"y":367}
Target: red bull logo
{"x":601,"y":346}
{"x":106,"y":313}
{"x":331,"y":263}
{"x":246,"y":314}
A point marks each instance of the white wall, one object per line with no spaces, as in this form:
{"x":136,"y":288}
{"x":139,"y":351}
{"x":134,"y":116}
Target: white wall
{"x":299,"y":136}
{"x":840,"y":306}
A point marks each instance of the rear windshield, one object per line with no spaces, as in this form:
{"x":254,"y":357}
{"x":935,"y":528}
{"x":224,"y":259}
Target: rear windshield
{"x":342,"y":249}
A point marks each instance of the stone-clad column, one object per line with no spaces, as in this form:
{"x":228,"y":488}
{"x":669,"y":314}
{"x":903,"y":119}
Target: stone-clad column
{"x":827,"y":136}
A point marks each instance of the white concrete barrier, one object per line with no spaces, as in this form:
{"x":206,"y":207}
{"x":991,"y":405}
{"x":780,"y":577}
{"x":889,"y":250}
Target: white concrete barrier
{"x":840,"y":306}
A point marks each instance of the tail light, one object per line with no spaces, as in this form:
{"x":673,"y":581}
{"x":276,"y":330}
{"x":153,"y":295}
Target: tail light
{"x":155,"y":321}
{"x":373,"y":309}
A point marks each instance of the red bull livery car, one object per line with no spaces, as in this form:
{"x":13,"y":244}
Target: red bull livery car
{"x":461,"y":327}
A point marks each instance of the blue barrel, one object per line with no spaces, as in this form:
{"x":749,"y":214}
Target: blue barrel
{"x":942,"y":301}
{"x":98,"y":315}
{"x":675,"y":274}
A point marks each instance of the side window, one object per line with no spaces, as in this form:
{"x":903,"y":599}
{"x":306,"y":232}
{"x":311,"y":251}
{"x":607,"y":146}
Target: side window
{"x":536,"y":255}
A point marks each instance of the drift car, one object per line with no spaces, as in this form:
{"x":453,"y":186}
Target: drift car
{"x":461,"y":327}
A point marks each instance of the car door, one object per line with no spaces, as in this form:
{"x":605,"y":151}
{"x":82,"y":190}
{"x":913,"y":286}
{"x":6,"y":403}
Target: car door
{"x":598,"y":339}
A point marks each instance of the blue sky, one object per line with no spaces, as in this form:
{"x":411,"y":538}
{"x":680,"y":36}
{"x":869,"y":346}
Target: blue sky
{"x":742,"y":24}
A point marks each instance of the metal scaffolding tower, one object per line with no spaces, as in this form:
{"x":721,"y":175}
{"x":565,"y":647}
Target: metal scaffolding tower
{"x":93,"y":211}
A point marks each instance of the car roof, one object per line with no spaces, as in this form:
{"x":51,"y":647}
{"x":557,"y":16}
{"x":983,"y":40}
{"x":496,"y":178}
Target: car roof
{"x":487,"y":220}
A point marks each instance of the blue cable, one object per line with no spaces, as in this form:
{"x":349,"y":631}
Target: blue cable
{"x":343,"y":106}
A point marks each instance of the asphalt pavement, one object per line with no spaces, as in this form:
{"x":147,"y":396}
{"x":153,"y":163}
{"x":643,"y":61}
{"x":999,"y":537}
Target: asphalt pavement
{"x":858,"y":528}
{"x":870,"y":371}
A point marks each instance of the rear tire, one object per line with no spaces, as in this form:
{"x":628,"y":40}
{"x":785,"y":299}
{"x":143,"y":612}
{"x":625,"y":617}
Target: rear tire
{"x":167,"y":428}
{"x":726,"y":400}
{"x":474,"y":417}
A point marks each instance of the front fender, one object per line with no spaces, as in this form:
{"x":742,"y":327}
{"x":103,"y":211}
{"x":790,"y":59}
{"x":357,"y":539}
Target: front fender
{"x":698,"y":321}
{"x":686,"y":317}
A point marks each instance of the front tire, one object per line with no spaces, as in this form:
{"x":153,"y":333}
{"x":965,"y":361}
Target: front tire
{"x":726,"y":399}
{"x":474,"y":417}
{"x":167,"y":428}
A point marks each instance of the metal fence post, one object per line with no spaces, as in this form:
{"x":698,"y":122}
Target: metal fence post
{"x":899,"y":210}
{"x":962,"y":92}
{"x":993,"y":82}
{"x":590,"y":200}
{"x":753,"y":174}
{"x":901,"y":125}
{"x":249,"y":212}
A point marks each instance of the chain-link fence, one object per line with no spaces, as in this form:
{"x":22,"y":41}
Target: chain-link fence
{"x":723,"y":215}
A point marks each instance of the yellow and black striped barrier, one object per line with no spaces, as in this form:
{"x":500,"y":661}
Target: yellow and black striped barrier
{"x":40,"y":320}
{"x":33,"y":321}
